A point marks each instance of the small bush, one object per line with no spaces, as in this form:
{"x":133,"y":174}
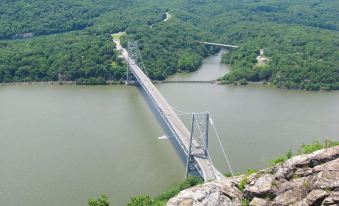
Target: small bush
{"x":189,"y":182}
{"x":228,"y":174}
{"x":307,"y":184}
{"x":245,"y":202}
{"x":243,"y":183}
{"x":142,"y":201}
{"x":282,"y":158}
{"x":278,"y":160}
{"x":251,"y":171}
{"x":101,"y":201}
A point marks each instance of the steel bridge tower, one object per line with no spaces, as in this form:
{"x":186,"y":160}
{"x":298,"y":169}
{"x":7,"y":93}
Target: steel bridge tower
{"x":198,"y":145}
{"x":134,"y":54}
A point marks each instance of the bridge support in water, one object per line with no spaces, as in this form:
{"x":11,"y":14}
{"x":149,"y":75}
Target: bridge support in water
{"x":198,"y":145}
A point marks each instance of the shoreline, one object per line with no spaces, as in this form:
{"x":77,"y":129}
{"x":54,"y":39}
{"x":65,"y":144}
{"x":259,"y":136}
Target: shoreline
{"x":59,"y":83}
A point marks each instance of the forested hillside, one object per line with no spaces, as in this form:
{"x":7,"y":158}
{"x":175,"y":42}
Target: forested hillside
{"x":299,"y":37}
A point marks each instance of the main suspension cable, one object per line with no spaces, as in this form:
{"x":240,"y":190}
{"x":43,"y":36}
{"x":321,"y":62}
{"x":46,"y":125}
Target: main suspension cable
{"x":221,"y":146}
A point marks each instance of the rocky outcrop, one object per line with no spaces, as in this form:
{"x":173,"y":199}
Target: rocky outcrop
{"x":304,"y":180}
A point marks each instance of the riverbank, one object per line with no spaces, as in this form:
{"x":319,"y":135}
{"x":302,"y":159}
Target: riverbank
{"x":60,"y":83}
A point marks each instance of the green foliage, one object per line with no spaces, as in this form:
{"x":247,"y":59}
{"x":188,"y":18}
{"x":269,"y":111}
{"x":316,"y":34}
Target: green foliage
{"x":187,"y":183}
{"x":289,"y":154}
{"x":142,"y":201}
{"x":189,"y":61}
{"x":316,"y":145}
{"x":251,"y":171}
{"x":282,"y":158}
{"x":278,"y":160}
{"x":245,"y":202}
{"x":305,"y":149}
{"x":307,"y":184}
{"x":101,"y":201}
{"x":243,"y":183}
{"x":41,"y":17}
{"x":228,"y":174}
{"x":164,"y":197}
{"x":300,"y":38}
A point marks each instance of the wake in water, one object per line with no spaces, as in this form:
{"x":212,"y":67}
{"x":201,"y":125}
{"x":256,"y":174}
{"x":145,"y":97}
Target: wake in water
{"x":162,"y":137}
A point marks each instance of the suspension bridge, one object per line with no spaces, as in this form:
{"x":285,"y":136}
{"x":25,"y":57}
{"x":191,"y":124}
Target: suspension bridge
{"x":194,"y":143}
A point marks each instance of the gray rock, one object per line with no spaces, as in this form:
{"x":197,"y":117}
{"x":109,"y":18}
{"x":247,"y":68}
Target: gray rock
{"x":259,"y":202}
{"x":209,"y":194}
{"x":332,"y":200}
{"x":292,"y":196}
{"x":327,"y":177}
{"x":261,"y":187}
{"x":315,"y":197}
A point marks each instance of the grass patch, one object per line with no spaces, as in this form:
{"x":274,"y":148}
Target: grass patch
{"x":118,"y":35}
{"x":282,"y":158}
{"x":189,"y":182}
{"x":164,"y":197}
{"x":315,"y":146}
{"x":251,"y":171}
{"x":305,"y":149}
{"x":245,"y":202}
{"x":243,"y":183}
{"x":228,"y":174}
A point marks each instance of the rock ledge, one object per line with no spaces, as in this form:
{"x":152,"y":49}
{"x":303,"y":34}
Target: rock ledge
{"x":305,"y":180}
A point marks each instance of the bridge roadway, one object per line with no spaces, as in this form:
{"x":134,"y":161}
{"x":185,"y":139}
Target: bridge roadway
{"x":177,"y":127}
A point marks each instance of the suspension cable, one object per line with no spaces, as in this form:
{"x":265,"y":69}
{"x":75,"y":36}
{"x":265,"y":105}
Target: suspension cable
{"x":180,"y":111}
{"x":221,"y":146}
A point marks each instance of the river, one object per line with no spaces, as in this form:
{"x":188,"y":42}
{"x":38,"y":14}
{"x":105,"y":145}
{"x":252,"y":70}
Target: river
{"x":63,"y":144}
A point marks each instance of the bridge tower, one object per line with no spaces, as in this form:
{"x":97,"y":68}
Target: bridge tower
{"x":134,"y":54}
{"x":198,"y":146}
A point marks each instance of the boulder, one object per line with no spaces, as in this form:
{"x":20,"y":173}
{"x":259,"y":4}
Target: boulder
{"x":261,"y":187}
{"x":209,"y":194}
{"x":316,"y":197}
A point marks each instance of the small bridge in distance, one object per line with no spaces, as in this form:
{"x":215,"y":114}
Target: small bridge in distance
{"x":186,"y":81}
{"x":193,"y":144}
{"x":216,"y":44}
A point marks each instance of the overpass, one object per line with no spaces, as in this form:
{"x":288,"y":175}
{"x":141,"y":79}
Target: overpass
{"x":216,"y":44}
{"x":197,"y":157}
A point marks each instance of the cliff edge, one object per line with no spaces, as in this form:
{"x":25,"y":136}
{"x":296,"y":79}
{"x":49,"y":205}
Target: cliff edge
{"x":304,"y":180}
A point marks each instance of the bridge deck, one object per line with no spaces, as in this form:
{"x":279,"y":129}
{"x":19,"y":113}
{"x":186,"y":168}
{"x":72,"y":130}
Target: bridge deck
{"x":179,"y":130}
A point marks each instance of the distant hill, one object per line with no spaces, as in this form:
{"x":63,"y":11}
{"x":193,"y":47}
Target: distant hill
{"x":299,"y":37}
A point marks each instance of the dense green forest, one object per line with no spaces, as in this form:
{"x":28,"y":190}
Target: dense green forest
{"x":71,"y":39}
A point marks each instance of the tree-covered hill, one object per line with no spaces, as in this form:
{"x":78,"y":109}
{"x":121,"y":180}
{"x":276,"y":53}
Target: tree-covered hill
{"x":40,"y":17}
{"x":299,"y":37}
